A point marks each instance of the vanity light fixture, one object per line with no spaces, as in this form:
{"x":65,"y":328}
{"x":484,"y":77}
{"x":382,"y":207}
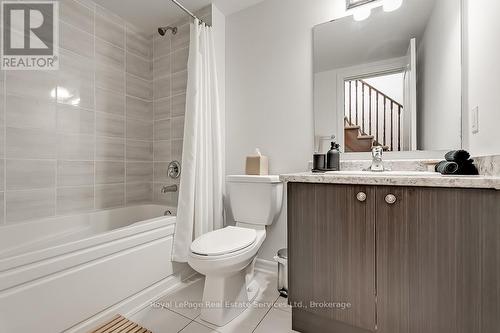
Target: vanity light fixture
{"x":392,"y":5}
{"x":361,"y":9}
{"x":362,"y":13}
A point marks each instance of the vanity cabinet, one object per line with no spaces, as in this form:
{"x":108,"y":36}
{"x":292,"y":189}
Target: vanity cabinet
{"x":407,"y":259}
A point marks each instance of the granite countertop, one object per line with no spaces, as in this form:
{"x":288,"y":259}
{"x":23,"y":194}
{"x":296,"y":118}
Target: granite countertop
{"x":424,"y":180}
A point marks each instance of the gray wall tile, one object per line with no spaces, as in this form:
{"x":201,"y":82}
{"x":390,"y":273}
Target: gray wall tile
{"x":29,"y":205}
{"x":109,"y":78}
{"x":31,"y":143}
{"x":72,"y":200}
{"x":139,"y":193}
{"x":137,"y":87}
{"x":179,"y":60}
{"x":162,"y":108}
{"x":139,"y":109}
{"x":162,"y":66}
{"x":25,"y":112}
{"x":74,"y":120}
{"x":139,"y":45}
{"x":77,"y":15}
{"x":110,"y":125}
{"x":75,"y":173}
{"x":110,"y":172}
{"x":163,"y":151}
{"x":76,"y":40}
{"x":139,"y":130}
{"x":30,"y":174}
{"x":162,"y":129}
{"x":109,"y":196}
{"x":139,"y":172}
{"x":177,"y":126}
{"x":179,"y":83}
{"x":75,"y":147}
{"x":139,"y":67}
{"x":108,"y":54}
{"x":162,"y":87}
{"x":139,"y":150}
{"x":179,"y":105}
{"x":110,"y":102}
{"x":109,"y":31}
{"x":110,"y":149}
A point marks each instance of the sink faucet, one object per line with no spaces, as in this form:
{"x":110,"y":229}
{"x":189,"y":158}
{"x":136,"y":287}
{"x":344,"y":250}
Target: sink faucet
{"x":377,"y":163}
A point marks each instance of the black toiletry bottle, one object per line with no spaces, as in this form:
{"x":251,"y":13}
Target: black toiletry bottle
{"x":333,"y":158}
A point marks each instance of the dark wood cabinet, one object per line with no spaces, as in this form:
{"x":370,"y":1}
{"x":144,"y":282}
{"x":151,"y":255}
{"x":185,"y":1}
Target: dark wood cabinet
{"x":426,"y":263}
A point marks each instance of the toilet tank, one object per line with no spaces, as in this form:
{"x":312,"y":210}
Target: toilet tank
{"x":255,"y":199}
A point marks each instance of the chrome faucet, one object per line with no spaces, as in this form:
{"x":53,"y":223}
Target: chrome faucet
{"x":377,"y":163}
{"x":169,"y":189}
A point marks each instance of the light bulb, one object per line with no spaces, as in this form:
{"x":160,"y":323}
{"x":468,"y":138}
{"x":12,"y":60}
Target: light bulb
{"x":392,"y":5}
{"x":362,"y":13}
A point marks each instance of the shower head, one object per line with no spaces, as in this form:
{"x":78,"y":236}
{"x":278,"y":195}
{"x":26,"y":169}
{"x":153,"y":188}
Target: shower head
{"x":163,"y":30}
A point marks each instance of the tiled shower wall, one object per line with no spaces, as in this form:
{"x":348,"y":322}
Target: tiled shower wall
{"x":88,"y":144}
{"x":170,"y":80}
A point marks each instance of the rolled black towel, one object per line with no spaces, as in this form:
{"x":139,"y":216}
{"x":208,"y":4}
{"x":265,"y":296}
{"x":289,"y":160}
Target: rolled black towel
{"x":457,"y":156}
{"x":467,"y":168}
{"x":447,"y":168}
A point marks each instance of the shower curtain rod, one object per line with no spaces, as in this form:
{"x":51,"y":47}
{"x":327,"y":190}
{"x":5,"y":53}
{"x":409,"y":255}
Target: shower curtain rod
{"x":189,"y":12}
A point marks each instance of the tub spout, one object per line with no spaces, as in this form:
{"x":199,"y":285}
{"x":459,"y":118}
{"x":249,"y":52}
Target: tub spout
{"x":169,"y":189}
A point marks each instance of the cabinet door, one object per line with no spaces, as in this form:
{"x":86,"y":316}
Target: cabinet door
{"x":332,"y":256}
{"x":431,"y":260}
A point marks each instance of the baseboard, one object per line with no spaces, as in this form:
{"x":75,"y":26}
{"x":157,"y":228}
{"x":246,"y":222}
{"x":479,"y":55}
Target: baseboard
{"x":266,"y":266}
{"x":136,"y":302}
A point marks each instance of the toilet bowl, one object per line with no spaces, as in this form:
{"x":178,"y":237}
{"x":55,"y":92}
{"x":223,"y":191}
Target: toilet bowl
{"x":227,"y":256}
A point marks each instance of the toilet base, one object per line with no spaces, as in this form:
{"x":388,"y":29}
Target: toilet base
{"x":226,"y":297}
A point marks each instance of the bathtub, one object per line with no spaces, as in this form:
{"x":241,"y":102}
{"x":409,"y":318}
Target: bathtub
{"x":59,"y":272}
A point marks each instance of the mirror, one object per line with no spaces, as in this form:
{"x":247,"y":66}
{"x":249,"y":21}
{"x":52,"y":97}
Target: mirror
{"x":393,"y":79}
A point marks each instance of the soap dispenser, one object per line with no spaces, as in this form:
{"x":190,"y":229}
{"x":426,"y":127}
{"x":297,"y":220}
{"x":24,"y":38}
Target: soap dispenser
{"x":333,"y":158}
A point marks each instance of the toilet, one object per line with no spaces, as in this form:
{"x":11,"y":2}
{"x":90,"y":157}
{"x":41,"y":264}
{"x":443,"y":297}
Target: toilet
{"x":227,"y":256}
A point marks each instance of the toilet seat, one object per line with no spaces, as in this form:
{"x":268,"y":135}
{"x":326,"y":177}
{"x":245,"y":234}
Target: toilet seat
{"x":224,"y":241}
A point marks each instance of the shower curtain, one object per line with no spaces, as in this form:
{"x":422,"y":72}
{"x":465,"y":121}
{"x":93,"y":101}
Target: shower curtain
{"x":200,"y":207}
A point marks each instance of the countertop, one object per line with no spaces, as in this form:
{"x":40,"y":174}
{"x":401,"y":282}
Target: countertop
{"x":425,"y":180}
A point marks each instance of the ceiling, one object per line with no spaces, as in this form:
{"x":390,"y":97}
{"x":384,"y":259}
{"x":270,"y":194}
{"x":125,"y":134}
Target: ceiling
{"x":148,"y":15}
{"x":345,"y":42}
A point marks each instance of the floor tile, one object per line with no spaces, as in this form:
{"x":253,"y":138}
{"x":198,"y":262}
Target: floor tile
{"x":268,"y":287}
{"x":246,"y":322}
{"x":160,"y":320}
{"x":195,"y":327}
{"x":282,"y":304}
{"x":276,"y":321}
{"x":187,"y":299}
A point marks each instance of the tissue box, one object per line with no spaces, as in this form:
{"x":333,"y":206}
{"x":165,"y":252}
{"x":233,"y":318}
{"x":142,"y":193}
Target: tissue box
{"x":257,"y":166}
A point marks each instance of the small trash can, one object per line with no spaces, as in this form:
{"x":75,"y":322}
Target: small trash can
{"x":282,"y":259}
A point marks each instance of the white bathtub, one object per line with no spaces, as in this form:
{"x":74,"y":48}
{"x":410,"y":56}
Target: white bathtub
{"x":59,"y":272}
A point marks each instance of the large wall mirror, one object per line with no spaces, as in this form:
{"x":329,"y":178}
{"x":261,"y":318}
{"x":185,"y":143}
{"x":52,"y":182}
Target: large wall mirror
{"x":390,"y":78}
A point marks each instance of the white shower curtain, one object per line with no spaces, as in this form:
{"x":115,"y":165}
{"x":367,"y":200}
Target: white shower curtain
{"x":200,"y":208}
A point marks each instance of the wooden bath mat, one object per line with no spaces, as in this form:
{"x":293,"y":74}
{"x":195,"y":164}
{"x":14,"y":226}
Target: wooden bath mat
{"x":120,"y":324}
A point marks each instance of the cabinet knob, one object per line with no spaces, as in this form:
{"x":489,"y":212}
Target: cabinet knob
{"x":390,"y":199}
{"x":361,"y":196}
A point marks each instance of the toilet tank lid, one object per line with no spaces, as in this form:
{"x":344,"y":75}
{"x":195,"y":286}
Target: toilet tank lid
{"x":252,"y":179}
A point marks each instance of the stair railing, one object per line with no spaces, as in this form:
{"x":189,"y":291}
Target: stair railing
{"x":375,"y":113}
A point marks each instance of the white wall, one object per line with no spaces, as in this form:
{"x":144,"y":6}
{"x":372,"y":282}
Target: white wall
{"x":269,"y":89}
{"x":439,"y":79}
{"x":391,"y":85}
{"x":325,"y":107}
{"x":483,"y":72}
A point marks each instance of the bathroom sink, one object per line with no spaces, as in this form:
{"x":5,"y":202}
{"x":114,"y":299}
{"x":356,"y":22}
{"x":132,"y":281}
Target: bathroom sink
{"x":384,"y":173}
